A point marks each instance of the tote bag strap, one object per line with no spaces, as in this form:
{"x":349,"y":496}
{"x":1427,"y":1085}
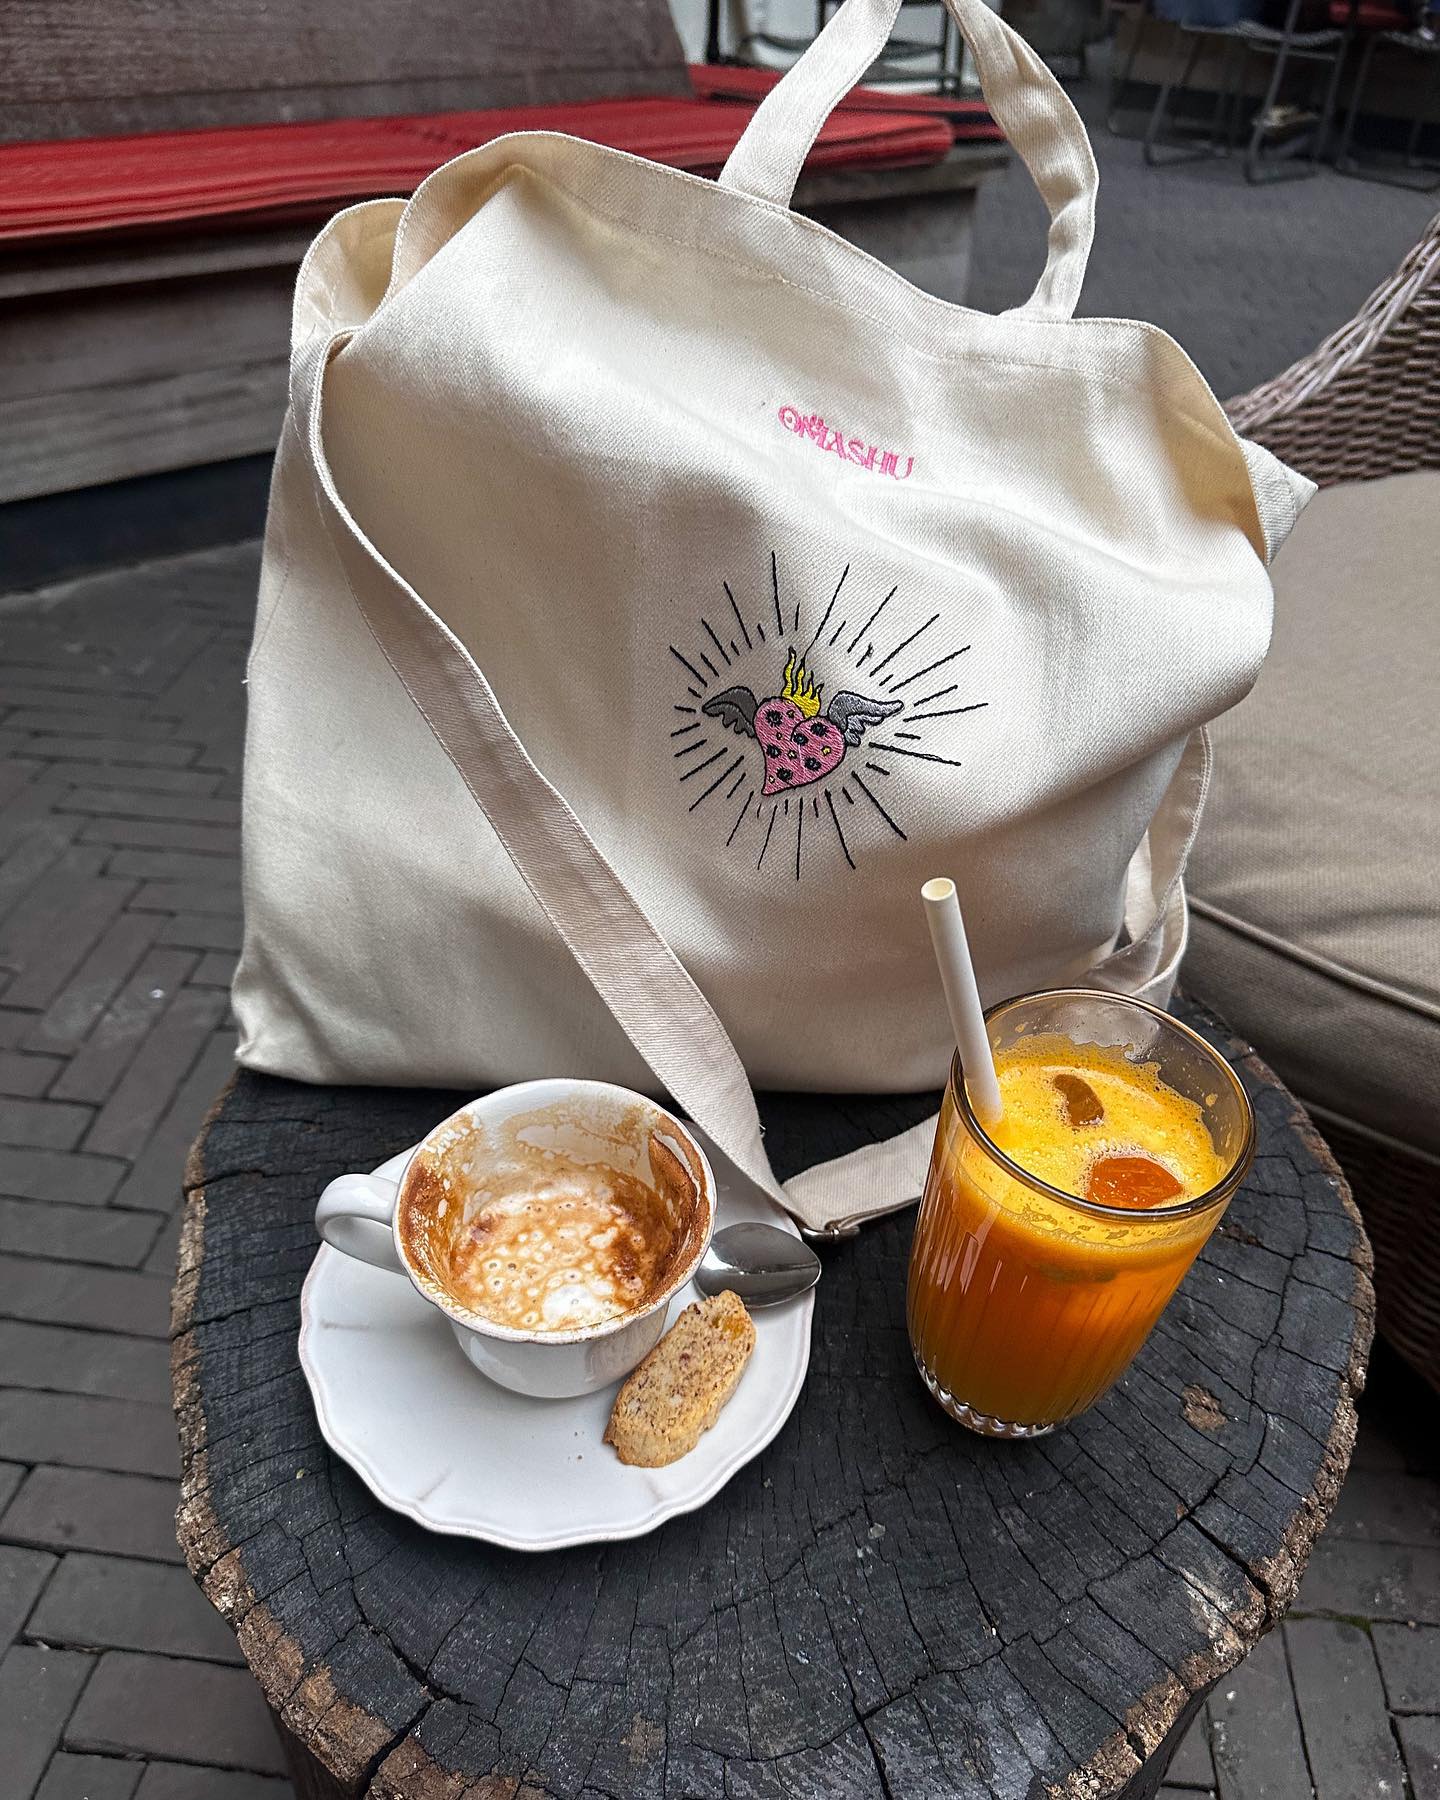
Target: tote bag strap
{"x":631,"y":967}
{"x":1157,"y":921}
{"x":1029,"y":105}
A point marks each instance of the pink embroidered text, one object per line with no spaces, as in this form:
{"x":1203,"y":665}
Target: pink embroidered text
{"x":854,"y":450}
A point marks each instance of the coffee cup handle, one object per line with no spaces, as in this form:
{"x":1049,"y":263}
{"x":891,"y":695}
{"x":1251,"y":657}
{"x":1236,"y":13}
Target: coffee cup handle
{"x":350,"y":1209}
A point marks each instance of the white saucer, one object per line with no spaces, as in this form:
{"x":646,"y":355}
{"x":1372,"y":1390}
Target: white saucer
{"x":434,"y":1439}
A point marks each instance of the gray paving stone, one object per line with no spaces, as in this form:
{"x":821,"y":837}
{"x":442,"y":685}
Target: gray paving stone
{"x":202,"y":931}
{"x":27,"y":822}
{"x":162,"y":1259}
{"x":11,"y":1475}
{"x":163,"y":834}
{"x":97,"y":720}
{"x":189,"y":896}
{"x":68,"y":1018}
{"x":57,"y":925}
{"x":182,"y":1781}
{"x":56,"y":1175}
{"x":64,"y":935}
{"x":99,"y":1299}
{"x":1385,"y":1506}
{"x":1420,"y":1740}
{"x":1410,"y":1664}
{"x":13,"y":1024}
{"x":76,"y":863}
{"x":1342,"y":1710}
{"x":72,"y":677}
{"x":78,"y":1432}
{"x":77,"y":1233}
{"x":112,"y":804}
{"x":218,"y":755}
{"x":166,"y":1707}
{"x":72,"y":1777}
{"x":29,"y":845}
{"x":157,"y":1069}
{"x":112,"y":1603}
{"x":177,"y":865}
{"x":27,"y":815}
{"x":36,"y":692}
{"x":15,"y":775}
{"x":1255,"y":1729}
{"x":26,"y":1075}
{"x":56,"y":1359}
{"x":92,"y":1509}
{"x":131,"y":779}
{"x":23,"y":1573}
{"x":215,"y":969}
{"x":42,"y":1124}
{"x":106,"y":1056}
{"x":155,"y":1181}
{"x":1372,"y":1581}
{"x":1192,"y":1765}
{"x":110,"y":751}
{"x":37,"y":1689}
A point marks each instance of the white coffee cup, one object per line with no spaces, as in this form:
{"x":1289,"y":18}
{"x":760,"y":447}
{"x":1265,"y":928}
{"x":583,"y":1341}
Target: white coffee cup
{"x":590,"y":1121}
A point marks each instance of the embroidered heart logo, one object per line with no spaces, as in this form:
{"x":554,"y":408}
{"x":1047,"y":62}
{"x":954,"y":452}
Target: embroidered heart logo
{"x":797,"y":749}
{"x":800,"y":743}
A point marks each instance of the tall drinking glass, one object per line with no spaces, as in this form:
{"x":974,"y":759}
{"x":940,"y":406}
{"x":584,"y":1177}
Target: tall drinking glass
{"x":1026,"y":1302}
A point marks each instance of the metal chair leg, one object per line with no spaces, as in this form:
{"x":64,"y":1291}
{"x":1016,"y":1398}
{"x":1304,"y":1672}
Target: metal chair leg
{"x":1422,"y":116}
{"x":1345,"y":159}
{"x":1344,"y":152}
{"x":1257,"y":171}
{"x":1233,"y":91}
{"x":1119,"y":83}
{"x":1154,"y":140}
{"x":1326,"y":125}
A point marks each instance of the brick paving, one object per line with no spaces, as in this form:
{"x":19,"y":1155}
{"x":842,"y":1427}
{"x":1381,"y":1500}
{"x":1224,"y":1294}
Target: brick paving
{"x":120,"y":729}
{"x":121,"y":712}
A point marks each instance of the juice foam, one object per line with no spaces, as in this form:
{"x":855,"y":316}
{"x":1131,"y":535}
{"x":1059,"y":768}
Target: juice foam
{"x":1140,"y":1117}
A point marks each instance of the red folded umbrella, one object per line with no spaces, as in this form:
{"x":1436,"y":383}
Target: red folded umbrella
{"x":77,"y":186}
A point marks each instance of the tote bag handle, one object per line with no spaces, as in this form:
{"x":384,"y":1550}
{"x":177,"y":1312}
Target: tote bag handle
{"x":1029,"y":105}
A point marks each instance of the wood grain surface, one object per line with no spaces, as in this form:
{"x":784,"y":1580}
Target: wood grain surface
{"x":72,"y":68}
{"x":880,"y":1604}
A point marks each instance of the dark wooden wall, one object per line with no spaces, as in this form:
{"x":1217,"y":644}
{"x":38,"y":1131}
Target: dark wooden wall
{"x":81,"y":68}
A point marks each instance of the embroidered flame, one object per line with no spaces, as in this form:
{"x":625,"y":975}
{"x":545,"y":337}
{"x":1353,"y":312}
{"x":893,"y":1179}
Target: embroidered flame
{"x":800,"y":688}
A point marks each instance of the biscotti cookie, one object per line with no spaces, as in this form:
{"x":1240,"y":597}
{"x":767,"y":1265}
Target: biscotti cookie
{"x":676,"y":1394}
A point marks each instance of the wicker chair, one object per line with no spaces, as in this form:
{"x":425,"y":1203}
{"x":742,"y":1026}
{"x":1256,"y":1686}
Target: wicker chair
{"x":1366,"y":404}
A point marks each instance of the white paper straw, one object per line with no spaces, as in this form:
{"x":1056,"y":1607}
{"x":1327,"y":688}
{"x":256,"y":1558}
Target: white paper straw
{"x":962,"y":996}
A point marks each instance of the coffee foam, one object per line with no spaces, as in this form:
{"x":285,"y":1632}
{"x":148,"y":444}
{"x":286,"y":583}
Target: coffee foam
{"x":548,"y":1224}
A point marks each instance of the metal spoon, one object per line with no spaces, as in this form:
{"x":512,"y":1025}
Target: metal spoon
{"x":760,"y":1263}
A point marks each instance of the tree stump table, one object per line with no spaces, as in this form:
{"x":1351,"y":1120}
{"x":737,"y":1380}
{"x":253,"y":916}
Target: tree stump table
{"x":880,"y":1604}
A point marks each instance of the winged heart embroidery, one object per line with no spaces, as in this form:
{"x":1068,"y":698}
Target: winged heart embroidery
{"x":800,"y":744}
{"x":832,"y":782}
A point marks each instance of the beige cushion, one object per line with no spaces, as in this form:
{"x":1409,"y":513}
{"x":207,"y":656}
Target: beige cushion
{"x":1316,"y":919}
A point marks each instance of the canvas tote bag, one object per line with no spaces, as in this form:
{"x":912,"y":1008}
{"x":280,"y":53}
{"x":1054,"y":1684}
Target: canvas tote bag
{"x":657,"y":590}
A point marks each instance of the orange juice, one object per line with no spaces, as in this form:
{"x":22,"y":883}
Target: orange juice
{"x":1038,"y":1272}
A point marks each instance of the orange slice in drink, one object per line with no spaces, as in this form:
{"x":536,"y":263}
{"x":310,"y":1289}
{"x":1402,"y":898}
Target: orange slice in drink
{"x":1133,"y":1181}
{"x":1082,"y":1103}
